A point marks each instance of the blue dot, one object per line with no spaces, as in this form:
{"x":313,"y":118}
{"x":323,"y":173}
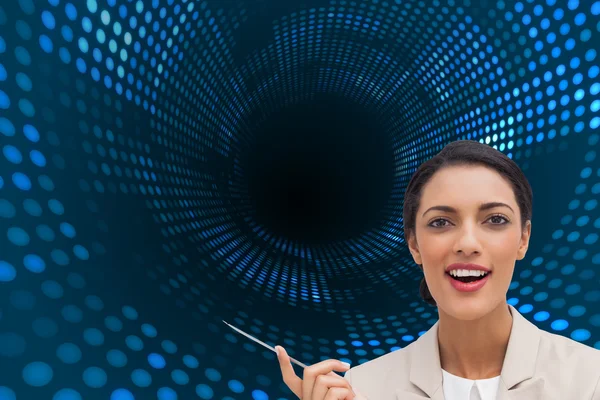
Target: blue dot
{"x":46,"y":183}
{"x":141,"y":378}
{"x":18,"y":236}
{"x":204,"y":391}
{"x":4,"y":100}
{"x":236,"y":386}
{"x":113,"y":323}
{"x":6,"y":127}
{"x":94,"y":377}
{"x":37,"y":158}
{"x":121,"y":394}
{"x":94,"y":303}
{"x":23,"y":80}
{"x":31,"y":133}
{"x":68,"y":353}
{"x":67,"y":229}
{"x":59,"y":257}
{"x":560,"y":325}
{"x":581,"y":335}
{"x":7,"y":393}
{"x":156,"y":360}
{"x":46,"y":43}
{"x":577,"y":311}
{"x":130,"y":313}
{"x":12,"y":154}
{"x":180,"y":377}
{"x":37,"y":374}
{"x":134,"y":343}
{"x":169,"y":346}
{"x":213,"y":375}
{"x":32,"y":207}
{"x":81,"y":252}
{"x":190,"y":361}
{"x":7,"y":210}
{"x":27,"y":6}
{"x":541,"y":316}
{"x":67,"y":394}
{"x":48,"y":20}
{"x":72,"y":313}
{"x":116,"y":358}
{"x":26,"y":108}
{"x":7,"y":272}
{"x":75,"y":280}
{"x":93,"y":337}
{"x":71,"y":11}
{"x":259,"y":395}
{"x":21,"y":181}
{"x":52,"y":289}
{"x":166,"y":393}
{"x":34,"y":263}
{"x":56,"y":207}
{"x":45,"y":233}
{"x":149,"y":330}
{"x":92,"y":5}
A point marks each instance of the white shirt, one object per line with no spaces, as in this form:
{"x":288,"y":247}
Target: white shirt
{"x":458,"y":388}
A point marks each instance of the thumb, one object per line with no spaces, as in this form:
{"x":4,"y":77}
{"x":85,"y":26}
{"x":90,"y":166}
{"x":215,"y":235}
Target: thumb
{"x":290,"y":378}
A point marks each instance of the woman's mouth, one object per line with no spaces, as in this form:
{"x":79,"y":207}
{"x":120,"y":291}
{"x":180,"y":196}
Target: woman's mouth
{"x":468,"y":283}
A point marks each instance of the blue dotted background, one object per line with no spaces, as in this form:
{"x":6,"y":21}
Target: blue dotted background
{"x":120,"y":252}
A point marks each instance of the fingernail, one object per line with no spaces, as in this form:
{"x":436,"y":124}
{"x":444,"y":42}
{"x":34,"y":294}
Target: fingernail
{"x":346,"y":364}
{"x":277,"y":351}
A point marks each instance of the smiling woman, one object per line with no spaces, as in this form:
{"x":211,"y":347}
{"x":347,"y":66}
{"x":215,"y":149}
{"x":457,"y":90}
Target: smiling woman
{"x":467,"y":220}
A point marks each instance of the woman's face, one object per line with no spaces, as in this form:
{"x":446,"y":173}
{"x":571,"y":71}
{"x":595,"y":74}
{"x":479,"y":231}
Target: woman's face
{"x":490,"y":237}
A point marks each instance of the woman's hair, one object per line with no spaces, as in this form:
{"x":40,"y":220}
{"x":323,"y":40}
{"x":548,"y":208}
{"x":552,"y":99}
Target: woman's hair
{"x":459,"y":153}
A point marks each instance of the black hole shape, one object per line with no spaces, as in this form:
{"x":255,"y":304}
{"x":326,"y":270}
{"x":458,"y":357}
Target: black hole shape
{"x":321,"y":170}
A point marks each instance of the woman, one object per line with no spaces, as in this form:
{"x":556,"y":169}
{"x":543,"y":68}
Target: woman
{"x":467,"y":219}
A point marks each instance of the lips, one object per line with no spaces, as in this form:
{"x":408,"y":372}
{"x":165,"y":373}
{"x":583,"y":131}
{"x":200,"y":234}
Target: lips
{"x":468,"y":286}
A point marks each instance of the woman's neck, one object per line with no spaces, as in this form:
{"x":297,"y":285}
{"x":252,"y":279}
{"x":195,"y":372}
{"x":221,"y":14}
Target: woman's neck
{"x":475,"y":349}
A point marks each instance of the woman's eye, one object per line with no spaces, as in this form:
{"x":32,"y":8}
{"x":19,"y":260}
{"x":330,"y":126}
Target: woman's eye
{"x":438,"y":223}
{"x":498,"y":219}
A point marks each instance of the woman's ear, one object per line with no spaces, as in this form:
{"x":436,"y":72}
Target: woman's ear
{"x":524,"y":243}
{"x":414,"y":248}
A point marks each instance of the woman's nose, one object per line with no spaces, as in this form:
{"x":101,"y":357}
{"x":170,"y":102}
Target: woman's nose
{"x":467,"y":242}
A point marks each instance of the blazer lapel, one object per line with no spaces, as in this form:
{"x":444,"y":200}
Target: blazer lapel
{"x":425,"y":368}
{"x":516,"y":379}
{"x":531,"y":390}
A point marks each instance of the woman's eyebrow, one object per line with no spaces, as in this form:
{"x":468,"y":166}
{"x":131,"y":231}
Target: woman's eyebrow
{"x":482,"y":207}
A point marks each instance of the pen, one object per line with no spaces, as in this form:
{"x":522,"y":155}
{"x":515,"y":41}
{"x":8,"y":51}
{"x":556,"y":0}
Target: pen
{"x":263,"y":344}
{"x":359,"y":396}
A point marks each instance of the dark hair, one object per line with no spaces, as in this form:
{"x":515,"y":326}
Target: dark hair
{"x":463,"y":152}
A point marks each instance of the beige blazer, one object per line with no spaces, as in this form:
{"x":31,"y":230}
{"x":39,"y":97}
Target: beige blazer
{"x":538,"y":365}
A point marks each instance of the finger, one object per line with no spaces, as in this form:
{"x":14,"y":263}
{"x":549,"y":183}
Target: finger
{"x":290,"y":378}
{"x":337,"y":393}
{"x":324,"y":383}
{"x":322,"y":368}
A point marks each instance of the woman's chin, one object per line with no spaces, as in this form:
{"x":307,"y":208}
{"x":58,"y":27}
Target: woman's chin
{"x":466,"y":309}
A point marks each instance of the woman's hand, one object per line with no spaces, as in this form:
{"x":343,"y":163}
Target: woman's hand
{"x":319,"y":383}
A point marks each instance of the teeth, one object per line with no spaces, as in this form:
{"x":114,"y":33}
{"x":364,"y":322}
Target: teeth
{"x":465,"y":272}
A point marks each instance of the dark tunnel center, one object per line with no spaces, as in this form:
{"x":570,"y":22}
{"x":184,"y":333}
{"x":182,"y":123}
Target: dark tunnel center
{"x":320,"y":170}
